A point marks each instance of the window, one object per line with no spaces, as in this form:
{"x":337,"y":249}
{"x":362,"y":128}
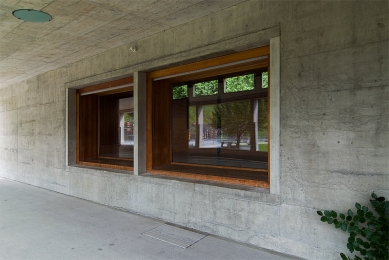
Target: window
{"x":105,"y":121}
{"x":212,"y":122}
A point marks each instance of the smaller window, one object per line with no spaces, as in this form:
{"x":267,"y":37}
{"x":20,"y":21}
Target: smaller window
{"x":105,"y":122}
{"x":206,"y":88}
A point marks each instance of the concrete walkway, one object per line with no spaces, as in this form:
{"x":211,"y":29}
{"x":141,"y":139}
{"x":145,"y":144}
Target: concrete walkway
{"x":40,"y":224}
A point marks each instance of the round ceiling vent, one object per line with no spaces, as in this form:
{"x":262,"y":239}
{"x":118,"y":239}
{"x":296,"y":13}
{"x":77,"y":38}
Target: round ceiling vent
{"x":30,"y":15}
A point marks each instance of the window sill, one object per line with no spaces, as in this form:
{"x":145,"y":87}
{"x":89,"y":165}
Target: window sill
{"x":110,"y":163}
{"x":225,"y":175}
{"x":75,"y":167}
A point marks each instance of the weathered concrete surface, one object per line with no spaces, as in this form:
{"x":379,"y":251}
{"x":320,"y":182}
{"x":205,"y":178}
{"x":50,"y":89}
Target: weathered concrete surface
{"x":333,"y":116}
{"x":41,"y":224}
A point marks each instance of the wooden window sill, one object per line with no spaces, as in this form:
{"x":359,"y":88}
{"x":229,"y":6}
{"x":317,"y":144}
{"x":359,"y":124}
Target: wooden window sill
{"x":230,"y":175}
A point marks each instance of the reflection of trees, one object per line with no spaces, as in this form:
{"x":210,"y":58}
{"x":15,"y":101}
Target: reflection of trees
{"x":233,"y":119}
{"x":180,"y":92}
{"x":240,"y":83}
{"x":206,"y":88}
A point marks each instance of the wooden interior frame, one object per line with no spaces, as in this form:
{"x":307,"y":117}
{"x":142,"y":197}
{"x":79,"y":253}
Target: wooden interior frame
{"x":152,"y":90}
{"x":103,"y":89}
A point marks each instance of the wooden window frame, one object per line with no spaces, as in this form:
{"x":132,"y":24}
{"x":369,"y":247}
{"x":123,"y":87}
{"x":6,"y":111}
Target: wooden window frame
{"x":108,"y":88}
{"x":207,"y":68}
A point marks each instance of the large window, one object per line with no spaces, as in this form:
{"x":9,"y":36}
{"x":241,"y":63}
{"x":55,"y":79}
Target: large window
{"x":105,"y":125}
{"x":225,"y":125}
{"x":211,"y":121}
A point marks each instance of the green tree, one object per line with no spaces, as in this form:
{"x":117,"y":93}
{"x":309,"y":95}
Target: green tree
{"x":180,"y":92}
{"x":240,"y":83}
{"x":129,"y":117}
{"x":206,"y":88}
{"x":232,"y":118}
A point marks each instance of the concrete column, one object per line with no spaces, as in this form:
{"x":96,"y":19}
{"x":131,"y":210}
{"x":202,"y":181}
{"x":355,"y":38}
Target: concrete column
{"x":275,"y":115}
{"x":139,"y":123}
{"x":70,"y":127}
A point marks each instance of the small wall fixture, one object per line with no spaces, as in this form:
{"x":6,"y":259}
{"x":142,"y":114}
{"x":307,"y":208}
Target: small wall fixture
{"x":30,"y":15}
{"x":133,"y":49}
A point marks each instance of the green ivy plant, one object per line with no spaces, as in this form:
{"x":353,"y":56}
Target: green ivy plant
{"x":368,"y":229}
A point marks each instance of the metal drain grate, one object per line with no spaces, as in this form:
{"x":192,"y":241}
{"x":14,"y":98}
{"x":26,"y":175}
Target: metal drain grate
{"x":175,"y":235}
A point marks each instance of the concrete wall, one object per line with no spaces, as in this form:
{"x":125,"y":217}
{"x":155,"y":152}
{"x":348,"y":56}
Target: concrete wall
{"x":334,"y":124}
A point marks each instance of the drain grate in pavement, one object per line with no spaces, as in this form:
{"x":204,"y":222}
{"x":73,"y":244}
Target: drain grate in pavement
{"x":175,"y":235}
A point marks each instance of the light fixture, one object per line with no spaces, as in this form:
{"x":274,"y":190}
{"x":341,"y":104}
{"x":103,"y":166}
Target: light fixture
{"x":133,"y":49}
{"x":30,"y":15}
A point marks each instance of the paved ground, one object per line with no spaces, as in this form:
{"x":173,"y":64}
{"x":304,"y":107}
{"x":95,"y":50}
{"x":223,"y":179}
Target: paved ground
{"x":40,"y":224}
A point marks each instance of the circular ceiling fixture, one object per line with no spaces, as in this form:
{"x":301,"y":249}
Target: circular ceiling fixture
{"x":30,"y":15}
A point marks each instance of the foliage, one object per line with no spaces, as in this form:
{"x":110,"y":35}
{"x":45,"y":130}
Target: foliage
{"x":206,"y":88}
{"x":129,"y":117}
{"x":368,"y":230}
{"x":232,"y":118}
{"x":265,"y":80}
{"x":180,"y":92}
{"x":240,"y":83}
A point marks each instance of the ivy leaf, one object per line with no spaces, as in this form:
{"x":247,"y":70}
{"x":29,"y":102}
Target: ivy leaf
{"x":352,"y":229}
{"x":342,"y":216}
{"x":350,"y":247}
{"x":369,"y":214}
{"x":344,"y":257}
{"x":366,"y":245}
{"x":338,"y":224}
{"x":374,"y":203}
{"x":324,"y":219}
{"x":365,"y":209}
{"x":380,"y":199}
{"x":333,"y":214}
{"x":327,"y":213}
{"x":344,"y":226}
{"x":330,"y":221}
{"x":349,"y":218}
{"x":373,"y":195}
{"x":319,"y":213}
{"x":350,"y":213}
{"x":370,"y":253}
{"x":357,"y":205}
{"x":362,"y":220}
{"x":360,"y":212}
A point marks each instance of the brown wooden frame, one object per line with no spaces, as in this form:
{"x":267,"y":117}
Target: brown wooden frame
{"x":170,"y":72}
{"x":103,"y":89}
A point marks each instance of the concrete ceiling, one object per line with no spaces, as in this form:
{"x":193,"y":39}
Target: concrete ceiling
{"x":83,"y":28}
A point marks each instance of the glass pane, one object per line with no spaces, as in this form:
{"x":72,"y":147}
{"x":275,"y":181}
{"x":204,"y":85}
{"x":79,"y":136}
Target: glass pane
{"x":180,"y":92}
{"x":192,"y":126}
{"x":265,"y":80}
{"x":116,"y":137}
{"x":239,"y":83}
{"x":235,"y":120}
{"x":208,"y":128}
{"x":206,"y":88}
{"x":262,"y":126}
{"x":128,"y":129}
{"x":221,"y":132}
